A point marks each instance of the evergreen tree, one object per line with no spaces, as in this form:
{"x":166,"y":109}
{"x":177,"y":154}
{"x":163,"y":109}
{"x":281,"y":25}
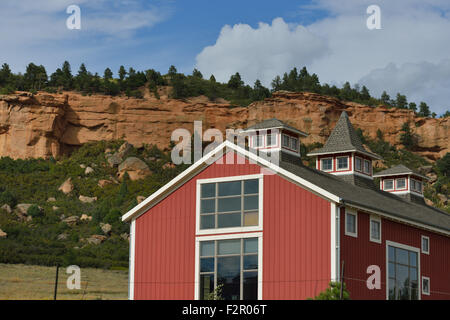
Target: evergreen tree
{"x":172,"y":71}
{"x":35,"y":77}
{"x":212,"y":78}
{"x":197,"y":74}
{"x":401,"y":102}
{"x":67,"y":78}
{"x":5,"y":75}
{"x":122,"y":73}
{"x":259,"y":91}
{"x":276,"y":84}
{"x":406,"y":138}
{"x":235,"y":81}
{"x":107,"y":75}
{"x":413,"y":106}
{"x":365,"y":95}
{"x":424,"y":110}
{"x":385,"y":98}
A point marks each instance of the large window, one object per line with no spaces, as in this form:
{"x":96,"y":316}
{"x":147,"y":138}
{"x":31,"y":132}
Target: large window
{"x":271,"y":139}
{"x":229,"y":204}
{"x":403,"y":273}
{"x":367,"y":167}
{"x":258,"y":141}
{"x":375,"y":229}
{"x":351,"y":223}
{"x":388,"y":184}
{"x":231,"y":264}
{"x":400,"y":183}
{"x":416,"y":186}
{"x":358,"y":164}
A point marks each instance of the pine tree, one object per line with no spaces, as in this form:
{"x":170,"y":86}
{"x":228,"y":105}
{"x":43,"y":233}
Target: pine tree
{"x":424,"y":110}
{"x":122,"y":73}
{"x":385,"y":98}
{"x":107,"y":75}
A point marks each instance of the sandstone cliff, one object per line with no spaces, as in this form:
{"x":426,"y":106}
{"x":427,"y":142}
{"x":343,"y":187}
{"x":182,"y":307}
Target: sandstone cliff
{"x":45,"y":125}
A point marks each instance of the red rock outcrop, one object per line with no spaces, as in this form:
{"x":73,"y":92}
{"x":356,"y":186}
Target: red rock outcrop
{"x":45,"y":125}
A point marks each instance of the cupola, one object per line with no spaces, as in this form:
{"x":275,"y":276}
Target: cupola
{"x":404,"y":182}
{"x":344,"y":155}
{"x":274,"y":135}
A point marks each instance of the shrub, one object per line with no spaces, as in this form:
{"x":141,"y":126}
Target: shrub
{"x":34,"y":211}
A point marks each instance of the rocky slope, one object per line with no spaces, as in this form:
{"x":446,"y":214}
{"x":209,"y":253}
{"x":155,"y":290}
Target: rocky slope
{"x":45,"y":125}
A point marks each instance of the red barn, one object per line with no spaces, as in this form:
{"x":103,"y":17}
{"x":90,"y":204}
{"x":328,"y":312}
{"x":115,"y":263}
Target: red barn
{"x":261,"y":225}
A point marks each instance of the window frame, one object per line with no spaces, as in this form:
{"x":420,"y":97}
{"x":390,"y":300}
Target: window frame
{"x":404,"y":247}
{"x":355,"y":214}
{"x":384,"y":184}
{"x":369,"y":172}
{"x":255,"y":141}
{"x":415,"y":182}
{"x":274,"y":141}
{"x":258,"y":227}
{"x":321,"y":164}
{"x":361,"y":163}
{"x":292,"y":139}
{"x":198,"y":240}
{"x":421,"y":244}
{"x":396,"y":184}
{"x":374,"y":219}
{"x":337,"y":163}
{"x":426,"y":293}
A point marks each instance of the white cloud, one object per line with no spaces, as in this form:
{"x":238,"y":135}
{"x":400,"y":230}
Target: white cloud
{"x":260,"y":53}
{"x":340,"y":48}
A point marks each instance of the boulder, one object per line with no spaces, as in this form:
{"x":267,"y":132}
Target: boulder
{"x":62,"y":237}
{"x":3,"y":234}
{"x":55,"y":208}
{"x":106,"y":228}
{"x":443,"y":198}
{"x":108,"y":150}
{"x":125,"y":236}
{"x":96,"y":239}
{"x":71,"y":221}
{"x":67,"y":186}
{"x":168,"y":165}
{"x":21,"y":211}
{"x":88,"y":170}
{"x":136,"y":168}
{"x":103,"y":183}
{"x":6,"y":207}
{"x":113,"y":160}
{"x":87,"y":199}
{"x":124,"y":149}
{"x":432,"y":176}
{"x":82,"y":166}
{"x":85,"y":217}
{"x":429,"y":202}
{"x":139,"y":199}
{"x":51,"y":199}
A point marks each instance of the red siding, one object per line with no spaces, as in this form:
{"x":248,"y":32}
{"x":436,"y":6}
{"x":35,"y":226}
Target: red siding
{"x":359,"y":253}
{"x":296,"y":240}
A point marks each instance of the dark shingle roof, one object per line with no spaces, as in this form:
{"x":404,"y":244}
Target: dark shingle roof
{"x":343,"y":138}
{"x":274,"y":123}
{"x":371,"y":199}
{"x":397,"y":170}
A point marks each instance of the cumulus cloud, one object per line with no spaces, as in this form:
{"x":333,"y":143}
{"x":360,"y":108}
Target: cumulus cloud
{"x":260,"y":53}
{"x":339,"y":47}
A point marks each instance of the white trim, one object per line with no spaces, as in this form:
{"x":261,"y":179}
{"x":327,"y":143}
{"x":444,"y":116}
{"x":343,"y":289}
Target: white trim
{"x":396,"y":183}
{"x":167,"y":189}
{"x":421,"y":244}
{"x":321,"y":164}
{"x":199,"y":239}
{"x":131,"y":260}
{"x":370,"y":155}
{"x":354,"y":213}
{"x":362,"y":164}
{"x":429,"y":286}
{"x":337,"y":163}
{"x":370,"y":167}
{"x":334,"y":246}
{"x":376,"y":219}
{"x":406,"y":247}
{"x":259,"y":227}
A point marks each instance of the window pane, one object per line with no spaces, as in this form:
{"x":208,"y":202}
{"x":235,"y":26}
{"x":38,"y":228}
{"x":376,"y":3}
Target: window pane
{"x":229,"y":204}
{"x":251,"y":186}
{"x":285,"y":141}
{"x":250,"y":285}
{"x":391,"y":270}
{"x":251,"y":262}
{"x":327,"y":164}
{"x":413,"y":274}
{"x":258,"y":141}
{"x":207,"y":222}
{"x":388,"y":184}
{"x":391,"y":289}
{"x":208,"y":190}
{"x":271,"y":139}
{"x":229,"y":188}
{"x":375,"y":229}
{"x":342,"y":163}
{"x":250,"y":219}
{"x":294,"y":143}
{"x":206,"y":248}
{"x":351,"y":223}
{"x":208,"y":206}
{"x":367,"y":165}
{"x":391,"y":254}
{"x":401,"y":256}
{"x":207,"y":265}
{"x":401,"y":183}
{"x":229,"y":246}
{"x":425,"y":284}
{"x":251,"y":203}
{"x":228,"y":274}
{"x":228,"y":220}
{"x":206,"y":285}
{"x":425,"y":244}
{"x":358,"y":164}
{"x":251,"y":245}
{"x":412,"y":259}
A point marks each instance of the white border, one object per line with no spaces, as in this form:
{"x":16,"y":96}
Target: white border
{"x":131,"y":264}
{"x":199,"y":239}
{"x":396,"y":183}
{"x":384,"y":184}
{"x":355,"y":213}
{"x":334,"y":245}
{"x":259,"y":227}
{"x":421,"y":244}
{"x":348,"y":163}
{"x":406,"y":247}
{"x":429,"y":286}
{"x":377,"y":219}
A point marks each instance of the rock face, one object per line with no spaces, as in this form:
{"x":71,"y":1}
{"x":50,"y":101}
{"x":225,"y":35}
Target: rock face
{"x":72,"y":220}
{"x":87,"y":199}
{"x":6,"y":207}
{"x":3,"y":234}
{"x":45,"y":125}
{"x":96,"y":239}
{"x":136,"y":168}
{"x":106,"y":228}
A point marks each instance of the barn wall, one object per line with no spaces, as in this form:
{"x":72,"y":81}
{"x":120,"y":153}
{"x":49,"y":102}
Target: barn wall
{"x":359,"y":253}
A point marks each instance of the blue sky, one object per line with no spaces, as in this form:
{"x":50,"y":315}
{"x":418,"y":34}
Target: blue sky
{"x":260,"y":39}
